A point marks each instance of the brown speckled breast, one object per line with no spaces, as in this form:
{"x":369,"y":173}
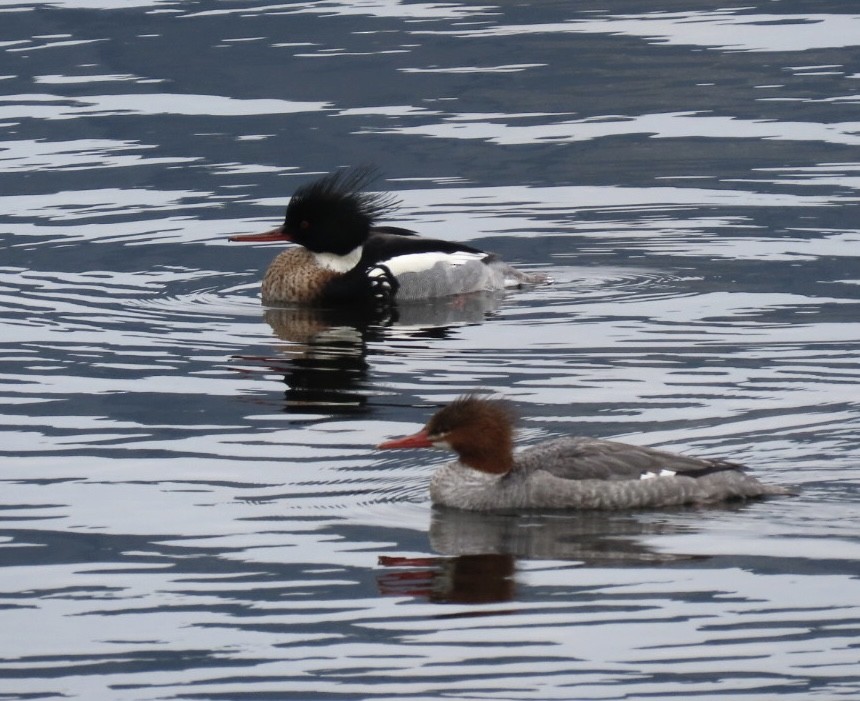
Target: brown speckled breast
{"x":294,"y":276}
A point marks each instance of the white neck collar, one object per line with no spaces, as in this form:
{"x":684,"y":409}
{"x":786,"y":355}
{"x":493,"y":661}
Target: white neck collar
{"x":339,"y":264}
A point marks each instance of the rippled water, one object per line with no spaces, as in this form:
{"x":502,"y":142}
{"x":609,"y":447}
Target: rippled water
{"x":192,"y":506}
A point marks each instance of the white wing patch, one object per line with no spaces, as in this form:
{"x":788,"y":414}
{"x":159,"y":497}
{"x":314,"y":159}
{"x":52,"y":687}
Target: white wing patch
{"x":419,"y":262}
{"x":653,"y":475}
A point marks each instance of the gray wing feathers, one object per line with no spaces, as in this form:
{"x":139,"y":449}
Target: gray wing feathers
{"x":588,"y":458}
{"x":441,"y":279}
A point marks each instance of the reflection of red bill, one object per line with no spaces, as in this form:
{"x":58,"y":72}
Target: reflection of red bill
{"x":394,"y":561}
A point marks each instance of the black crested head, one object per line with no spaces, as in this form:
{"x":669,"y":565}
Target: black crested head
{"x":334,"y":214}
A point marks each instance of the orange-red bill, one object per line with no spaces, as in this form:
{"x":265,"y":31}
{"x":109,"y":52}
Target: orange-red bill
{"x":417,"y":440}
{"x":277,"y":234}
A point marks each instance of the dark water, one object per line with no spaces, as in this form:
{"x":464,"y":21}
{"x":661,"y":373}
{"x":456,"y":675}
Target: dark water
{"x":192,"y":507}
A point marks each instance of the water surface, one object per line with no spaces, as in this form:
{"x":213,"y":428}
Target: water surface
{"x":192,"y":506}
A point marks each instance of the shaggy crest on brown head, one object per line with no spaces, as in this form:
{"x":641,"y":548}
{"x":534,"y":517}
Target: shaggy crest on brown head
{"x":480,"y":430}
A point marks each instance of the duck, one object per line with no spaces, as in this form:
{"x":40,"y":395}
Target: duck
{"x":570,"y":472}
{"x":345,"y":257}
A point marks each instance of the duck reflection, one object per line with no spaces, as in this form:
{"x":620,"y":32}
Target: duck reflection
{"x":591,"y":537}
{"x":324,"y":364}
{"x":324,"y":356}
{"x":479,"y":551}
{"x":466,"y":579}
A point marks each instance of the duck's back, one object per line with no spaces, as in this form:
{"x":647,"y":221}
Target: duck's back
{"x":589,"y":473}
{"x":581,"y":458}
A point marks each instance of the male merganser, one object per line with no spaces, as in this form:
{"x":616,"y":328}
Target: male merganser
{"x":565,"y":473}
{"x":346,"y":258}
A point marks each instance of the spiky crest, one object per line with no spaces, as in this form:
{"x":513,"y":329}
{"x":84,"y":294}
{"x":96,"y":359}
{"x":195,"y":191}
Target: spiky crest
{"x":480,"y":430}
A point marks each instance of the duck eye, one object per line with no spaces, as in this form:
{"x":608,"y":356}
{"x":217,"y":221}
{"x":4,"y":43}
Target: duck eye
{"x":304,"y":224}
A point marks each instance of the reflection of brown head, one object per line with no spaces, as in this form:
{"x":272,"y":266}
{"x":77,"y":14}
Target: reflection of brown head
{"x":465,"y":579}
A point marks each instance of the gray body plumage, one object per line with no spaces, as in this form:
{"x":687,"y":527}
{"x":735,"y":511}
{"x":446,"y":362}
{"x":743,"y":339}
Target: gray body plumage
{"x":587,"y":473}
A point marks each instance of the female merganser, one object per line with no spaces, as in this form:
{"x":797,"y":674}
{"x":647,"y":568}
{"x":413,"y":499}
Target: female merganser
{"x":565,"y":473}
{"x":346,"y":258}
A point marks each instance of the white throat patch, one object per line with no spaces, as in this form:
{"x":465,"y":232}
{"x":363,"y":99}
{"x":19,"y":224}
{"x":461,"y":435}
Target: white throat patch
{"x":339,"y":264}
